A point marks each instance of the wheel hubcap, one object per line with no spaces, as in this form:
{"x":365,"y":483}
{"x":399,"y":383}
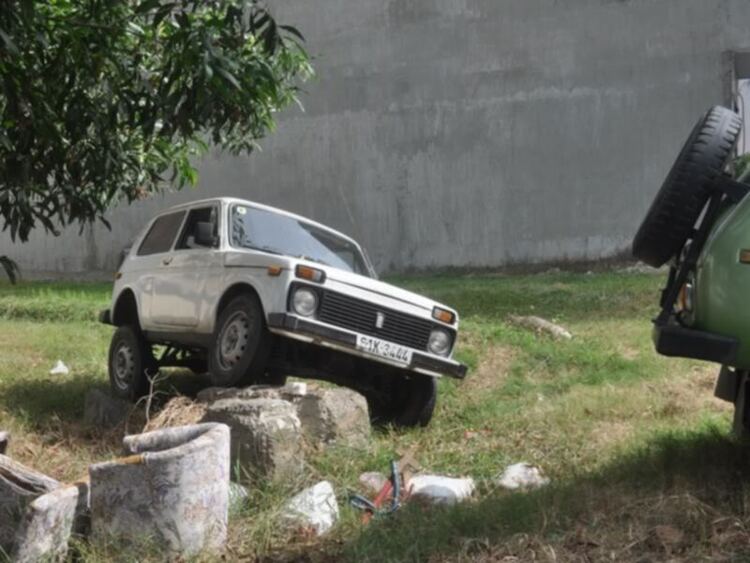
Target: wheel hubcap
{"x":233,"y":340}
{"x":124,"y":366}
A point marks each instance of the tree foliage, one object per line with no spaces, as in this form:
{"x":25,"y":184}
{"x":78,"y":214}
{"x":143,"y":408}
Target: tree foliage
{"x":108,"y":100}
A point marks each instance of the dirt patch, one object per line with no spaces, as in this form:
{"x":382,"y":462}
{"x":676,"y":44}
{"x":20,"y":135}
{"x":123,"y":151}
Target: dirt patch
{"x":492,"y":369}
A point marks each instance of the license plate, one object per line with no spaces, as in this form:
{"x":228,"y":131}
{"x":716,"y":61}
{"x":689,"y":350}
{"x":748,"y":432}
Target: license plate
{"x":384,"y":349}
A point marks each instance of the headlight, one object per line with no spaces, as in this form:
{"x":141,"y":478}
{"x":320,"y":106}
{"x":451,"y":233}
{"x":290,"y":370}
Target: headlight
{"x":305,"y":302}
{"x":439,"y":343}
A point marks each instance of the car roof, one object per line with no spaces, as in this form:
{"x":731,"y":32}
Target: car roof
{"x":233,"y":200}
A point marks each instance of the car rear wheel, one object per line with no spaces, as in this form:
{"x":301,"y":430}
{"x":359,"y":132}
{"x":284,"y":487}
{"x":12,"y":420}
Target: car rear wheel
{"x":241,"y":344}
{"x":680,"y":201}
{"x":129,"y":360}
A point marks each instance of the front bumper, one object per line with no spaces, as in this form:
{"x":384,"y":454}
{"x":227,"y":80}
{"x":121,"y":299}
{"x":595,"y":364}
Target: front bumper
{"x":346,"y":341}
{"x":672,"y":339}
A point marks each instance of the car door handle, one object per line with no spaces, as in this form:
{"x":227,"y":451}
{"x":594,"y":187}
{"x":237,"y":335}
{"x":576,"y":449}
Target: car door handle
{"x":167,"y":261}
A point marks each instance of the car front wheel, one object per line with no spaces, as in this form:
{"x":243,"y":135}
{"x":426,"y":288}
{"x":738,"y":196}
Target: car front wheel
{"x":129,"y":360}
{"x":402,"y":400}
{"x":241,"y":344}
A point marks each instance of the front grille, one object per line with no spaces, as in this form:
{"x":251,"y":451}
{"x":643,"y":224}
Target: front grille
{"x":360,"y":316}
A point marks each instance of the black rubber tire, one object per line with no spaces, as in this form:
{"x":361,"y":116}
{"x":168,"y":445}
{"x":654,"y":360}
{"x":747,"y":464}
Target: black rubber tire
{"x":249,"y":365}
{"x":129,"y":350}
{"x":685,"y":192}
{"x":403,"y":401}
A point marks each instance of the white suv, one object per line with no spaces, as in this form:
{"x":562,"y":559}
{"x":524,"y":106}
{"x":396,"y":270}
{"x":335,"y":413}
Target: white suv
{"x":252,"y":294}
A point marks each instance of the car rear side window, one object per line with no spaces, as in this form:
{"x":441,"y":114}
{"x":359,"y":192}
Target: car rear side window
{"x":161,"y":235}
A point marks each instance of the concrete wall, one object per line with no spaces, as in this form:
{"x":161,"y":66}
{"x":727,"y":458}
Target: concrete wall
{"x":470,"y":133}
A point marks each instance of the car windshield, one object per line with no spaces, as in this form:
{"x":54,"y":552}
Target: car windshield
{"x":259,"y":229}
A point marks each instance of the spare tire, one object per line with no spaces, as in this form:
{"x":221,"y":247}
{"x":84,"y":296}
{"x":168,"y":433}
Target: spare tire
{"x":684,"y":194}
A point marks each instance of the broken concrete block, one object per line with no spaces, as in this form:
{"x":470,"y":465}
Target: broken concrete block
{"x":19,"y":487}
{"x":287,"y":392}
{"x":335,"y":415}
{"x":36,"y":513}
{"x":45,"y":530}
{"x":522,"y":476}
{"x":266,"y":436}
{"x":441,"y":490}
{"x":172,"y":489}
{"x":314,"y":508}
{"x":4,"y":438}
{"x":327,"y":415}
{"x":103,"y":410}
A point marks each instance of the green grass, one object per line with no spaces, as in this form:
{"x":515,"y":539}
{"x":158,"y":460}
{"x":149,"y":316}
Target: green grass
{"x":632,"y":441}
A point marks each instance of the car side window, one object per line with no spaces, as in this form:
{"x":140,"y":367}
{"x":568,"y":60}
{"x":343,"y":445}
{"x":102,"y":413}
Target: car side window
{"x":189,"y":238}
{"x":161,"y":235}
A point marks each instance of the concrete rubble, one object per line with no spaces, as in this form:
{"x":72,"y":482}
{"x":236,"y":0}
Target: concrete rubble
{"x":327,"y":415}
{"x":36,"y":513}
{"x":172,"y":488}
{"x":104,"y":411}
{"x":522,"y":476}
{"x":266,"y":436}
{"x":335,"y":416}
{"x":44,"y":532}
{"x":541,"y":325}
{"x":438,"y":489}
{"x":313,"y":509}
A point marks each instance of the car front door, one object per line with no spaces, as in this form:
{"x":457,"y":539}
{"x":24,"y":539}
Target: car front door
{"x":188,"y":279}
{"x":154,"y":249}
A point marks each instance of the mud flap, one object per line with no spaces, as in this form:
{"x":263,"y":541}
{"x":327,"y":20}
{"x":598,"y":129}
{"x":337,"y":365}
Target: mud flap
{"x":727,"y":384}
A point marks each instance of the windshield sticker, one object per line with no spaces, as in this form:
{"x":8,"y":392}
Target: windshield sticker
{"x":242,"y":210}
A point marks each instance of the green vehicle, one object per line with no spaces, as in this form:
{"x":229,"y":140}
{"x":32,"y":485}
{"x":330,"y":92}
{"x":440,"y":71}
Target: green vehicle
{"x":699,"y":223}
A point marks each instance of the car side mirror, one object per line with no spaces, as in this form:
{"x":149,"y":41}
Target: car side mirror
{"x":204,"y":234}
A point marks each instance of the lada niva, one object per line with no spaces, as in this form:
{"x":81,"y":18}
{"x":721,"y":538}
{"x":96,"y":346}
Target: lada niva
{"x":251,"y":294}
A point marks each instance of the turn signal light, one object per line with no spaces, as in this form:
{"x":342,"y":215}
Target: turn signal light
{"x":448,"y":317}
{"x":745,"y":256}
{"x":311,"y":274}
{"x":274,"y":270}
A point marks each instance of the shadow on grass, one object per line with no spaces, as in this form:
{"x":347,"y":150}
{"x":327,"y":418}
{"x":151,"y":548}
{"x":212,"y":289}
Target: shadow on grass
{"x":684,"y":495}
{"x":44,"y":402}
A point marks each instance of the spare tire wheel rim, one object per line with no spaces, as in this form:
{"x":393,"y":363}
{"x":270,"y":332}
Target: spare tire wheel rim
{"x":233,"y":340}
{"x":123,"y":365}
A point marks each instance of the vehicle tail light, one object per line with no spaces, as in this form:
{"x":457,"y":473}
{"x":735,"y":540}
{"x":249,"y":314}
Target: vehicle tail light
{"x":443,"y":315}
{"x":311,"y":274}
